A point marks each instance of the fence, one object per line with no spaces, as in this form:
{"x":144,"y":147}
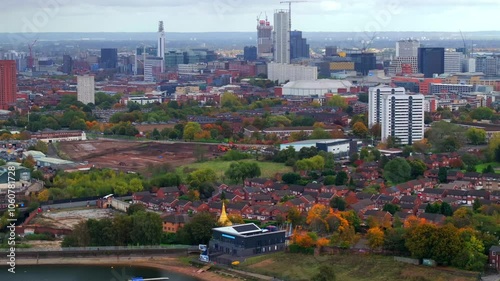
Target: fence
{"x":109,"y":248}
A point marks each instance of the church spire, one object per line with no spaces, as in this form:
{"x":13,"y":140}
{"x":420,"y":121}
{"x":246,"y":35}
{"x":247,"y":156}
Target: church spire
{"x":223,"y":219}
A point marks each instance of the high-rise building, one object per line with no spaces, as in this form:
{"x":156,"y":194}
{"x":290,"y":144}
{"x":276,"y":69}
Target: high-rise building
{"x":407,"y":48}
{"x":161,"y":45}
{"x":8,"y":83}
{"x":67,"y":66}
{"x":109,"y":58}
{"x":453,"y":62}
{"x":264,"y":38}
{"x":281,"y":36}
{"x":406,"y":65}
{"x":431,"y":61}
{"x":85,"y":89}
{"x":364,"y":62}
{"x":487,"y":65}
{"x":402,"y":117}
{"x":250,"y":53}
{"x":469,"y":64}
{"x":375,"y":102}
{"x":140,"y":56}
{"x":152,"y":68}
{"x":298,"y":45}
{"x":331,"y":51}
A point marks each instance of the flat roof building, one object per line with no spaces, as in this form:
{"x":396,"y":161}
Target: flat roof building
{"x":231,"y":243}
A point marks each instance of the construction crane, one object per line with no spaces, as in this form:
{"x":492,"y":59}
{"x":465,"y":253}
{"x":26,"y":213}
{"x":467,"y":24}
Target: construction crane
{"x":290,"y":11}
{"x":465,"y":44}
{"x":31,"y":59}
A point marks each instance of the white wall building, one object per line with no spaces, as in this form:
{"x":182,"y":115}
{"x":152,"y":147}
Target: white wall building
{"x":453,"y":62}
{"x":375,"y":102}
{"x":469,"y":64}
{"x":85,"y":89}
{"x":402,"y":117}
{"x":290,"y":72}
{"x":281,"y":36}
{"x":314,"y":88}
{"x":339,"y":147}
{"x":407,"y":48}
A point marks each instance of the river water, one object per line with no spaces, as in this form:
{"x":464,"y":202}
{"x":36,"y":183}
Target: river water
{"x":86,"y":273}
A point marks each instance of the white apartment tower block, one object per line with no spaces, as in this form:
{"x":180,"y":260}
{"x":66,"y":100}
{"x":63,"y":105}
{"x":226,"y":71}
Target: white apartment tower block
{"x":282,"y":36}
{"x":375,"y":102}
{"x":403,"y":117}
{"x":85,"y":89}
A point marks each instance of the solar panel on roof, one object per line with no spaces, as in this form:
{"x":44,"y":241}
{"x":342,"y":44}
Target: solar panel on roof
{"x":245,"y":228}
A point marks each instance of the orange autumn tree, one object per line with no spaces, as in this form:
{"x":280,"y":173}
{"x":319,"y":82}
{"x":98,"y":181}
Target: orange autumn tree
{"x":375,"y":238}
{"x":303,"y":239}
{"x":317,"y":218}
{"x":413,"y":221}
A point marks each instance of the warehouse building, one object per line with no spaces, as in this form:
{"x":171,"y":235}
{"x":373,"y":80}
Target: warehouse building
{"x":339,"y":147}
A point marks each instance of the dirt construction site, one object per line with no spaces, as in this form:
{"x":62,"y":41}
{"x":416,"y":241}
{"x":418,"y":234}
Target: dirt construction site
{"x":132,"y":155}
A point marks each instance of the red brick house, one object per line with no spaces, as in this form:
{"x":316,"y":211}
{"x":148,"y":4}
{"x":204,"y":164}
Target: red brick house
{"x":172,"y":223}
{"x":168,"y":191}
{"x":325,"y":198}
{"x":494,"y":257}
{"x":433,"y":194}
{"x":259,"y":182}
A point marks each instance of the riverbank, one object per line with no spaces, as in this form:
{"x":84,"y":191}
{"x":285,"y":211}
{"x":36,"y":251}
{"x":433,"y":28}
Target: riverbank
{"x":164,"y":263}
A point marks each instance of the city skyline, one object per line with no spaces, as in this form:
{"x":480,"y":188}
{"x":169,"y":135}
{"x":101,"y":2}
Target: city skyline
{"x":236,"y":15}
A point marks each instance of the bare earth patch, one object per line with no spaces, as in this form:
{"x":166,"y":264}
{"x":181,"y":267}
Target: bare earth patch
{"x":69,"y":218}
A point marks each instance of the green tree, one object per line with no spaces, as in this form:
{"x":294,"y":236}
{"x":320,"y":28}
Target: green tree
{"x":338,"y":203}
{"x":443,"y":174}
{"x":147,"y":228}
{"x":482,"y":113}
{"x":191,"y":129}
{"x":476,"y":205}
{"x":230,"y":100}
{"x":134,"y":208}
{"x":419,"y":240}
{"x":445,"y":209}
{"x":320,"y":133}
{"x":488,"y":170}
{"x":201,"y":176}
{"x":341,"y":178}
{"x":418,"y":168}
{"x":290,"y":178}
{"x":476,"y":136}
{"x":391,"y":208}
{"x":239,"y":171}
{"x":329,"y":180}
{"x":397,"y":171}
{"x":337,"y":101}
{"x":198,"y":230}
{"x":78,"y":124}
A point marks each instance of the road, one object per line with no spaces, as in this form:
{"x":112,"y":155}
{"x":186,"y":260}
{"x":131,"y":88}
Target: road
{"x":491,"y":278}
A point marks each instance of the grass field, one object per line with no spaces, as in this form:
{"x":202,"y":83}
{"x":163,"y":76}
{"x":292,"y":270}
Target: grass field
{"x":495,"y":165}
{"x":268,"y":169}
{"x":350,"y":267}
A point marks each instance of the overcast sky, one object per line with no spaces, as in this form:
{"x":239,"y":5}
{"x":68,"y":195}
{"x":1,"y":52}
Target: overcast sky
{"x":241,"y":15}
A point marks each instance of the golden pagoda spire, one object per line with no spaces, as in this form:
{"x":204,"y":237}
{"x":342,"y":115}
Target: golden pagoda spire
{"x":223,"y":219}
